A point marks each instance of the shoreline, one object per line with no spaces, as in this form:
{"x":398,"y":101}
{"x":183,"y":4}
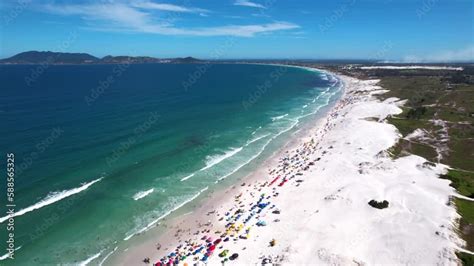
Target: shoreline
{"x":323,"y":213}
{"x":287,"y":142}
{"x":161,"y":229}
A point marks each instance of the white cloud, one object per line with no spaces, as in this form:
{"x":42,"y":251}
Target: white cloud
{"x":115,"y":17}
{"x":167,"y":7}
{"x":231,"y":30}
{"x":462,"y":55}
{"x":248,"y":3}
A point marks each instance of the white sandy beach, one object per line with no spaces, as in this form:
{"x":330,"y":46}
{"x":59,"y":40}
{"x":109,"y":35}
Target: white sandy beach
{"x":317,"y":208}
{"x":414,"y":67}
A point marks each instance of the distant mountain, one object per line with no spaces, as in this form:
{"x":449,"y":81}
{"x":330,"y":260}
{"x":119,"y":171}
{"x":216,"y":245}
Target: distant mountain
{"x":186,"y":60}
{"x":146,"y":59}
{"x":130,"y":59}
{"x":36,"y":57}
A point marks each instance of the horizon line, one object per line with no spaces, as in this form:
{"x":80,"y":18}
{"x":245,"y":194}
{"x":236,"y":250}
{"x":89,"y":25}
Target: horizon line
{"x":376,"y":61}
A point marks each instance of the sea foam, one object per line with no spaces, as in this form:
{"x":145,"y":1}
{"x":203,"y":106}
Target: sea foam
{"x":89,"y":260}
{"x":51,"y":198}
{"x":256,"y":139}
{"x":152,"y":223}
{"x":142,"y":194}
{"x":213,"y":160}
{"x":279,"y":117}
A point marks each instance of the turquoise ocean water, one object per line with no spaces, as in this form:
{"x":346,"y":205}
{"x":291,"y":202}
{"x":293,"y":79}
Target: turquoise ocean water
{"x":103,"y":152}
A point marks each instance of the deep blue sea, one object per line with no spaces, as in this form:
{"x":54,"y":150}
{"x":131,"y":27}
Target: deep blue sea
{"x":103,"y":152}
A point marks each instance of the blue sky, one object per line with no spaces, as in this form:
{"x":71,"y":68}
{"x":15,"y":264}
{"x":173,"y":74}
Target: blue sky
{"x":403,"y":30}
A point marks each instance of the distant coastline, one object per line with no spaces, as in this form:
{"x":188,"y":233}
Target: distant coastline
{"x":61,"y":58}
{"x":58,"y":58}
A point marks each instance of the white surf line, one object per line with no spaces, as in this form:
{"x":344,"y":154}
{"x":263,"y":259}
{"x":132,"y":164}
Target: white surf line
{"x":188,"y":176}
{"x":275,"y":118}
{"x":152,"y":223}
{"x":214,"y":162}
{"x":142,"y":194}
{"x":5,"y":256}
{"x":255,"y":131}
{"x":107,"y":256}
{"x":256,"y":139}
{"x":256,"y":155}
{"x":221,"y":158}
{"x":227,"y":155}
{"x":50,"y":199}
{"x":89,"y":260}
{"x":321,"y":94}
{"x":321,"y":106}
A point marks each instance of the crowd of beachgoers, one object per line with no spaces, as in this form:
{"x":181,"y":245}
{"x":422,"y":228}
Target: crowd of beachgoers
{"x":255,"y":209}
{"x":311,"y":205}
